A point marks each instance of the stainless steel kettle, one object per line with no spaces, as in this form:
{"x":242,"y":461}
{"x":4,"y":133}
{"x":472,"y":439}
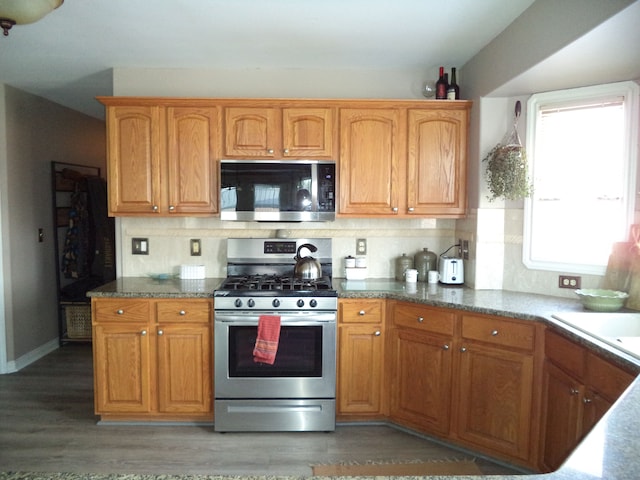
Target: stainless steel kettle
{"x":307,"y":268}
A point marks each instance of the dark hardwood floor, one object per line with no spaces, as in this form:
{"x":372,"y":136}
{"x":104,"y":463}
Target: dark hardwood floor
{"x":47,"y":425}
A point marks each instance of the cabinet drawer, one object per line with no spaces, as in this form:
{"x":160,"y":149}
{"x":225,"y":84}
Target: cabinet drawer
{"x":424,"y":318}
{"x":606,"y":379}
{"x":183,"y":311}
{"x":121,"y":310}
{"x":360,"y":311}
{"x":498,"y":332}
{"x":566,"y":354}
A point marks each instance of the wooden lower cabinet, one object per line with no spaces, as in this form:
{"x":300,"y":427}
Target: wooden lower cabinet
{"x":184,"y":369}
{"x":495,"y":400}
{"x":122,"y":370}
{"x":495,"y":395}
{"x":422,"y":366}
{"x":360,"y":358}
{"x":153,"y":358}
{"x":578,"y":388}
{"x":466,"y":378}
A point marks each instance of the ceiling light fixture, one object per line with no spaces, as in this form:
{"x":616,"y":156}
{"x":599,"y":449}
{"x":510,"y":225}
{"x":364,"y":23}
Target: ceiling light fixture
{"x":20,"y":12}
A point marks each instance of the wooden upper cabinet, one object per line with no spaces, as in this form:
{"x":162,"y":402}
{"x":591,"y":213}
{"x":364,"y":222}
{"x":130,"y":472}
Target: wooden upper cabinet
{"x":162,"y":160}
{"x":135,"y":152}
{"x":370,"y":150}
{"x":192,"y":173}
{"x":272,"y":132}
{"x":251,"y":132}
{"x":436,"y":162}
{"x":308,"y":132}
{"x":404,"y":161}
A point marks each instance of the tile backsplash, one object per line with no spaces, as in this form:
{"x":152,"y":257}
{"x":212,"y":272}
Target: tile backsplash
{"x":170,"y":241}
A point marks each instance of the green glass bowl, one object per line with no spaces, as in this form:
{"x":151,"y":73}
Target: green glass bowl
{"x":600,"y":300}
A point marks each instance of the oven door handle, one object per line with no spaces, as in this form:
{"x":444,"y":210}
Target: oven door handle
{"x":284,"y":319}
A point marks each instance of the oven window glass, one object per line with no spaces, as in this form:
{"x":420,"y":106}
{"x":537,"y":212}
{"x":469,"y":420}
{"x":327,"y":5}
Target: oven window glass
{"x":266,"y":187}
{"x":299,"y":353}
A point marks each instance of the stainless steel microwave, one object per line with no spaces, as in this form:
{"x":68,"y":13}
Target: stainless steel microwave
{"x":278,"y":190}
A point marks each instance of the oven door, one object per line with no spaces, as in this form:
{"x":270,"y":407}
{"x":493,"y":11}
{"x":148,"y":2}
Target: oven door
{"x":305,"y":365}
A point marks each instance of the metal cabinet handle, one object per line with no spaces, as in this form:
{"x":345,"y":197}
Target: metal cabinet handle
{"x":463,"y":349}
{"x":445,"y":347}
{"x":143,"y":333}
{"x":394,"y":209}
{"x":574,"y":391}
{"x":286,"y":150}
{"x":120,"y":312}
{"x":182,"y":312}
{"x":586,"y":400}
{"x":410,"y":209}
{"x":171,"y":208}
{"x":160,"y":332}
{"x":494,"y":333}
{"x":377,"y":333}
{"x":154,"y":208}
{"x":361,"y":313}
{"x":420,"y":319}
{"x":270,"y":151}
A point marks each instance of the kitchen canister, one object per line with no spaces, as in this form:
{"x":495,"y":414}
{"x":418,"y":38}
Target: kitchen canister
{"x":349,"y":262}
{"x":403,"y":262}
{"x":424,"y":261}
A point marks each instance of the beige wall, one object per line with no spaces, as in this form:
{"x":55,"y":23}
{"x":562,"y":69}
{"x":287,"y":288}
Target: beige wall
{"x":35,"y":133}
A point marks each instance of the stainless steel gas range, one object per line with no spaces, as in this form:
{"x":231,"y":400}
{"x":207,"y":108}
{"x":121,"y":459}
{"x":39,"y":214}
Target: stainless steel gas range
{"x":297,"y":391}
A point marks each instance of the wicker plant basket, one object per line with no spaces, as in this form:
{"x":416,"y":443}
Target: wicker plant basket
{"x":78,"y":319}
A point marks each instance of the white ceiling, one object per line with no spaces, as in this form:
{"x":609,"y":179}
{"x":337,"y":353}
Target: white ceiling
{"x":67,"y":56}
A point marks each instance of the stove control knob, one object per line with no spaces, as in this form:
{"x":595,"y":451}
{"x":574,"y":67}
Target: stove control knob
{"x":300,"y":303}
{"x":238,"y":303}
{"x":251,"y":303}
{"x":276,"y":302}
{"x":313,"y":303}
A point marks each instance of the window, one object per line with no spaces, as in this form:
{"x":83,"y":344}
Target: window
{"x":582,"y":149}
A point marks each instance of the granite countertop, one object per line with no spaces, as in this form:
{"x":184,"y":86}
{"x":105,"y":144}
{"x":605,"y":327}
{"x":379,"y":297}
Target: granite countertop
{"x":608,"y":452}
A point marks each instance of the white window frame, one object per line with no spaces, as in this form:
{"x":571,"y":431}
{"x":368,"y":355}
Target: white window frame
{"x":629,"y":90}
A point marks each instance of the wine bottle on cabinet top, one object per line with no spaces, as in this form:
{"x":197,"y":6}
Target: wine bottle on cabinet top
{"x":441,"y":86}
{"x":453,"y":90}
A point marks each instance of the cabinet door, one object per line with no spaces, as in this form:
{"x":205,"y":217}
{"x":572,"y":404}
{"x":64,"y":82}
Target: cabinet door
{"x":421,"y":385}
{"x":184,"y":368}
{"x":252,"y":132}
{"x":437,"y":162}
{"x":122,"y":370}
{"x":135,"y":153}
{"x":192,"y":151}
{"x":561,"y":411}
{"x":307,"y":132}
{"x":370,"y":149}
{"x":360,"y":369}
{"x":495,"y":399}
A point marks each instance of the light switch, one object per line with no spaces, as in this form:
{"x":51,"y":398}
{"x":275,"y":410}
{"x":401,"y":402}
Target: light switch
{"x":196,"y":250}
{"x":140,"y":246}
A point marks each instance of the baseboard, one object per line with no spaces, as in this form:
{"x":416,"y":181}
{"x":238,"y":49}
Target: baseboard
{"x":32,"y":356}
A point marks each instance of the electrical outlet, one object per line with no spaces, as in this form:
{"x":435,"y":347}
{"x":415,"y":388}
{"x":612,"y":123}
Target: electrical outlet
{"x":140,"y":246}
{"x":196,"y":247}
{"x":361,"y":246}
{"x":460,"y":251}
{"x":569,"y":281}
{"x":465,"y":249}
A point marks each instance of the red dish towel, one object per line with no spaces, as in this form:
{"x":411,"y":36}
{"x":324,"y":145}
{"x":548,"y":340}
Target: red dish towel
{"x":267,"y":340}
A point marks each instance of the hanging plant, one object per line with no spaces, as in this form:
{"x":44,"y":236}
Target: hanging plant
{"x":507,"y":171}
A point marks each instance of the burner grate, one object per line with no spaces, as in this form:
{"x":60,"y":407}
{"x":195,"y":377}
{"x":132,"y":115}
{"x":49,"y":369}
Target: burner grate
{"x":274,"y":282}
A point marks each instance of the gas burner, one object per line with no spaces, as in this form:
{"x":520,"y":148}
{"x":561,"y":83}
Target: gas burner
{"x":274,"y":282}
